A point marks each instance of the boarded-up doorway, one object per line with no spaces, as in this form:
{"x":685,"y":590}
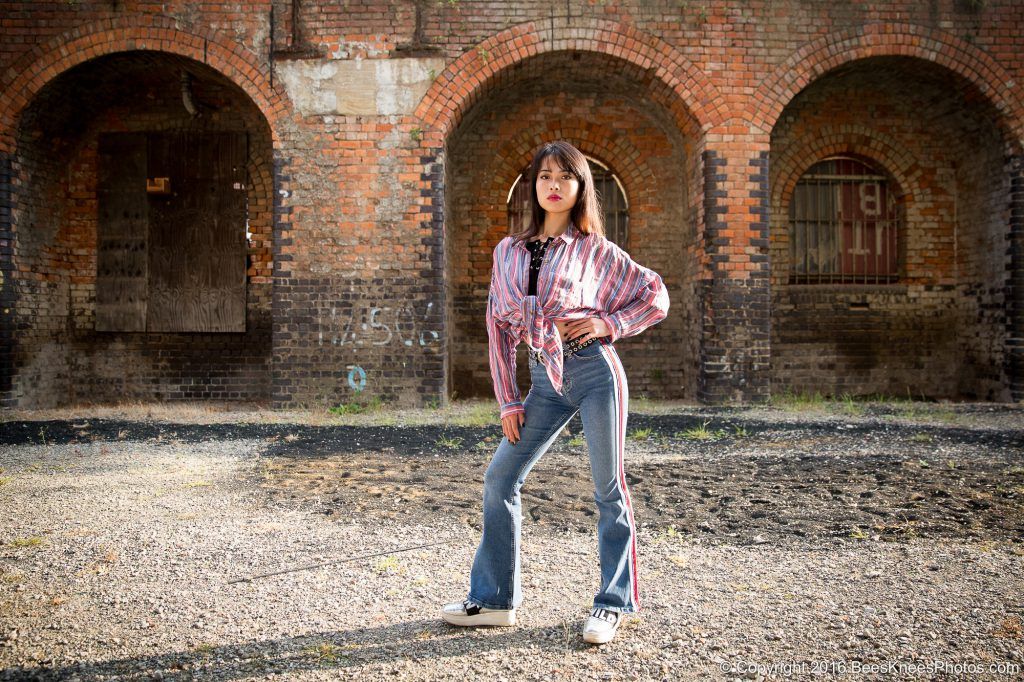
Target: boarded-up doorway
{"x":172,"y":232}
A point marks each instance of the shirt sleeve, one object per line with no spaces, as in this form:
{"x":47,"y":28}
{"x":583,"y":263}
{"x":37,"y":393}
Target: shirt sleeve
{"x":633,"y":297}
{"x":502,"y":354}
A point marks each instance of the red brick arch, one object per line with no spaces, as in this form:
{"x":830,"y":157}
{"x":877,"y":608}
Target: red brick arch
{"x":31,"y":72}
{"x":807,"y":150}
{"x":470,"y":77}
{"x":874,"y":40}
{"x":616,"y":152}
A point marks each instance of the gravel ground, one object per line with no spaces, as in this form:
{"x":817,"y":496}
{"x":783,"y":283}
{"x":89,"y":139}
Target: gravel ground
{"x":120,"y":537}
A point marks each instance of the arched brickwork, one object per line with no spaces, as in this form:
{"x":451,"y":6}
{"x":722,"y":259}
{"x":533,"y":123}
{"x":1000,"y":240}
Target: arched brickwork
{"x":788,"y":167}
{"x":816,"y":58}
{"x":662,"y":75}
{"x":29,"y":74}
{"x":936,"y":330}
{"x":875,"y":148}
{"x":694,"y":100}
{"x":616,"y":152}
{"x":24,"y":100}
{"x":651,"y":158}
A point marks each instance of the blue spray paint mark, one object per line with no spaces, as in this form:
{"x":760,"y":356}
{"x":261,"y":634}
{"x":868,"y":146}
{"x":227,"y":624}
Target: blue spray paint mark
{"x":357,"y":371}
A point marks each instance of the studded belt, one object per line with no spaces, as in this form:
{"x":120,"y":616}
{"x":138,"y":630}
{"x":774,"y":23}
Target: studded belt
{"x":569,"y":348}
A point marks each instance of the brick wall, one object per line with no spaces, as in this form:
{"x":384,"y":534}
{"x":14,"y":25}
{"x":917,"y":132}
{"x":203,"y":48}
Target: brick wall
{"x":385,"y":137}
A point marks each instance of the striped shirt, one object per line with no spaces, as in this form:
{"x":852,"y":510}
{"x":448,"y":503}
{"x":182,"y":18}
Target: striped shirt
{"x":582,"y":276}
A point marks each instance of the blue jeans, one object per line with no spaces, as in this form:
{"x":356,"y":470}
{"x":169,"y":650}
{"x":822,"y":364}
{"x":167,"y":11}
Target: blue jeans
{"x":594,"y":384}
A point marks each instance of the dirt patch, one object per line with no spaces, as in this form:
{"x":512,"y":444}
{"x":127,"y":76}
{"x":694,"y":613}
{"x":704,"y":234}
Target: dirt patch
{"x":800,"y":480}
{"x":724,"y":474}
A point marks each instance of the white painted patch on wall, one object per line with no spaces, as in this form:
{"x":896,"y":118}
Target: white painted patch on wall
{"x":382,"y":87}
{"x":402,"y":83}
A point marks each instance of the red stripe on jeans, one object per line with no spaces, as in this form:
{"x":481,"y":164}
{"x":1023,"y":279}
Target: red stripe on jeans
{"x":618,"y":373}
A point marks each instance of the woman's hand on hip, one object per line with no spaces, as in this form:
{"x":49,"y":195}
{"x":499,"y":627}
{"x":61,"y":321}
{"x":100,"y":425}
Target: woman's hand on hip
{"x":593,"y":327}
{"x":510,"y":425}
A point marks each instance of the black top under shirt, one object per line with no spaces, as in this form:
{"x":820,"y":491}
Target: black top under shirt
{"x":537,"y":251}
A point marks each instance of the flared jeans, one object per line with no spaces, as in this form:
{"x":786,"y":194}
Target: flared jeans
{"x":594,"y":384}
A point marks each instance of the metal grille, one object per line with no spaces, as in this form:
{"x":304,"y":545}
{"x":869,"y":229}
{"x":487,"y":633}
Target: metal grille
{"x":613,"y":202}
{"x":609,"y":192}
{"x":844,"y":223}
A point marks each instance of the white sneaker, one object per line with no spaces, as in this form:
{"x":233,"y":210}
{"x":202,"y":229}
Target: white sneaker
{"x":468,"y":613}
{"x":601,"y":625}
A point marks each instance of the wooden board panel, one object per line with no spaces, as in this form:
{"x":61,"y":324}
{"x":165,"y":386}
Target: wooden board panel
{"x":122,"y":231}
{"x":197,"y":255}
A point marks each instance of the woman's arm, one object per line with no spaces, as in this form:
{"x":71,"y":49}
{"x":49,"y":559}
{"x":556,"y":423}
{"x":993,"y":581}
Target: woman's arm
{"x":633,"y":297}
{"x":502,"y":351}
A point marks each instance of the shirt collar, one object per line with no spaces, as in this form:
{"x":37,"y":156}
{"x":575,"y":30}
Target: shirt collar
{"x":568,"y":236}
{"x":570,"y":233}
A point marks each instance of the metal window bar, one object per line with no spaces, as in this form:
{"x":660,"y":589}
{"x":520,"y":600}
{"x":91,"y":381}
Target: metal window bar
{"x":844,"y":223}
{"x":613,"y":204}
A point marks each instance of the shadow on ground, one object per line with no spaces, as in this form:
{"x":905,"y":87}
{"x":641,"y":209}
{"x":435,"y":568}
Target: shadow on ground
{"x":338,"y":650}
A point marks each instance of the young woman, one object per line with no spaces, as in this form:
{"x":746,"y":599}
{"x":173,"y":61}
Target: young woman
{"x":570,"y":294}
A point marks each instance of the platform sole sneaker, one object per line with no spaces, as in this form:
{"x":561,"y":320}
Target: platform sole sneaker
{"x":468,"y":613}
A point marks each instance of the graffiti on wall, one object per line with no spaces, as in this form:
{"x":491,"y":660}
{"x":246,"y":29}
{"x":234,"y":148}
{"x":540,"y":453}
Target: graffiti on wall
{"x":356,"y":378}
{"x":376,"y":326}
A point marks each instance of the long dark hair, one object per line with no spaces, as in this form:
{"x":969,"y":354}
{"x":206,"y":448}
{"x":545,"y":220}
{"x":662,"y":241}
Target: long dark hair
{"x":586,"y":214}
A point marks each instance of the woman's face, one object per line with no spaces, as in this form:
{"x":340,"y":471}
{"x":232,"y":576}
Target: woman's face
{"x":557,"y":188}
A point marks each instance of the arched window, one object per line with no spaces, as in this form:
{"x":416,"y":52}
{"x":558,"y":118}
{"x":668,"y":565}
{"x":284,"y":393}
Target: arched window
{"x":609,"y":192}
{"x":844,"y":223}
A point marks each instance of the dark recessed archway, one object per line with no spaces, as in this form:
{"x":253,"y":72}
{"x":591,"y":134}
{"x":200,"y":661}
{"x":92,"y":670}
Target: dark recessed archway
{"x":936,"y":325}
{"x":143,"y":233}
